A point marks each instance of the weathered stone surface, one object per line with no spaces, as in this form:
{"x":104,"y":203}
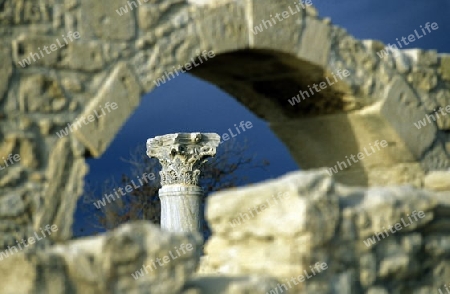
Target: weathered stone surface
{"x":265,"y":38}
{"x":403,"y":173}
{"x":437,"y":181}
{"x":276,"y":201}
{"x":31,"y":48}
{"x":445,"y":67}
{"x":40,"y":93}
{"x":316,"y":34}
{"x":29,"y":153}
{"x":7,"y":145}
{"x":86,"y":56}
{"x":423,"y":79}
{"x":422,"y":58}
{"x":119,"y":57}
{"x":66,"y":174}
{"x":105,"y":264}
{"x":402,"y":63}
{"x":443,"y":98}
{"x":350,"y":134}
{"x":18,"y":275}
{"x":100,"y":20}
{"x":393,"y":258}
{"x":5,"y":69}
{"x":230,"y":28}
{"x":26,"y":12}
{"x":443,"y":123}
{"x":402,"y":118}
{"x":97,"y":135}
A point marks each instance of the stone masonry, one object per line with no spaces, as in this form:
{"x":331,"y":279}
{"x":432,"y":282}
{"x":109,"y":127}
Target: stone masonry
{"x":116,"y":58}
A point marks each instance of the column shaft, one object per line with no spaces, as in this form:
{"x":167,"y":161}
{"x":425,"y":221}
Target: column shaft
{"x":180,"y":208}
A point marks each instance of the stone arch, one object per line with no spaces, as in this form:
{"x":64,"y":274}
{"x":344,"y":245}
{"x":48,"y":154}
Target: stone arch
{"x":117,"y":59}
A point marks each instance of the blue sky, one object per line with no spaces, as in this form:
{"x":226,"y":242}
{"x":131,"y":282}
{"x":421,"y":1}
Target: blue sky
{"x":187,"y":104}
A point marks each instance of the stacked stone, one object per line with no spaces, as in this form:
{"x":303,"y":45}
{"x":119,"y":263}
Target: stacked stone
{"x":106,"y":264}
{"x":318,"y":220}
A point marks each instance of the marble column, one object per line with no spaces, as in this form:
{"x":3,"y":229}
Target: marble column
{"x":181,"y":156}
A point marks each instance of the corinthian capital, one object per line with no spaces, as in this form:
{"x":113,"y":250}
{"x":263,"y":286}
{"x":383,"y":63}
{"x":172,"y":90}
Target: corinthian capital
{"x":182,"y":155}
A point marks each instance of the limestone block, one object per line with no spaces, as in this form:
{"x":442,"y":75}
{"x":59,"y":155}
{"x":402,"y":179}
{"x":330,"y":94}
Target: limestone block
{"x":347,"y":135}
{"x":445,"y":66}
{"x":247,"y":231}
{"x":149,"y":15}
{"x":86,"y":56}
{"x":7,"y":225}
{"x":29,"y":153}
{"x":73,"y":188}
{"x":105,"y":264}
{"x":388,"y":206}
{"x":256,"y":256}
{"x":373,"y":45}
{"x":397,"y":267}
{"x":437,"y":181}
{"x":422,"y":58}
{"x":269,"y":207}
{"x":443,"y":122}
{"x":425,"y":79}
{"x":284,"y":35}
{"x":367,"y":211}
{"x":429,"y":103}
{"x":141,"y":252}
{"x":436,"y":158}
{"x":378,"y":290}
{"x":7,"y":145}
{"x":70,"y":4}
{"x":402,"y":63}
{"x":100,"y":20}
{"x":19,"y":274}
{"x":5,"y":69}
{"x":443,"y":98}
{"x":26,"y":46}
{"x":221,"y":29}
{"x":315,"y":42}
{"x":66,"y":173}
{"x":403,"y":173}
{"x":400,"y":110}
{"x":41,"y":94}
{"x":368,"y":269}
{"x":121,"y":88}
{"x":396,"y":174}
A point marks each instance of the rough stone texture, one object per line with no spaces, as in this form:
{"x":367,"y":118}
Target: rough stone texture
{"x":318,"y":220}
{"x":105,"y":264}
{"x":118,"y":58}
{"x":437,"y":181}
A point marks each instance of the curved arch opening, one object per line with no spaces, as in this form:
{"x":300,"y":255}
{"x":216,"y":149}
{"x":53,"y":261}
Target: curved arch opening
{"x":184,"y":104}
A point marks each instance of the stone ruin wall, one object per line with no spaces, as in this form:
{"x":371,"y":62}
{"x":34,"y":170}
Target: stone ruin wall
{"x":117,"y":58}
